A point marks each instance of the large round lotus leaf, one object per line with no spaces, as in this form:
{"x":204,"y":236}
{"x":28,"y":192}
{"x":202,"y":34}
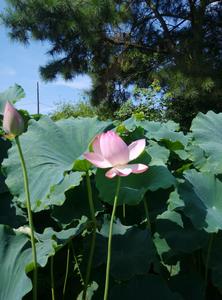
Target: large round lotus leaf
{"x":70,"y":181}
{"x":180,"y":234}
{"x":208,"y":135}
{"x":190,"y":285}
{"x":50,"y":149}
{"x":12,"y":94}
{"x":76,"y":205}
{"x":14,"y":256}
{"x":215,"y":261}
{"x":132,"y":252}
{"x":159,"y":155}
{"x":201,"y":194}
{"x":132,"y":123}
{"x":158,"y":131}
{"x":151,"y":287}
{"x":134,"y":186}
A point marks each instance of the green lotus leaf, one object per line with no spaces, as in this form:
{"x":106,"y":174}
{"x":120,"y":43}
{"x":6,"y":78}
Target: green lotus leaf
{"x":151,"y":287}
{"x":132,"y":252}
{"x":50,"y":150}
{"x":132,"y":123}
{"x":76,"y":205}
{"x":12,"y":94}
{"x":174,"y":201}
{"x":190,"y":285}
{"x":51,"y":241}
{"x":208,"y":136}
{"x":14,"y":257}
{"x":159,"y":155}
{"x":134,"y":186}
{"x":201,"y":194}
{"x":70,"y":181}
{"x":158,"y":131}
{"x":215,"y":259}
{"x":179,"y":234}
{"x":90,"y":291}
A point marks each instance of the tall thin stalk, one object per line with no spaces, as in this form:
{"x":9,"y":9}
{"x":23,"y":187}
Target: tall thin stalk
{"x":93,"y":241}
{"x":67,"y":272}
{"x":210,"y":243}
{"x":110,"y":240}
{"x":28,"y":204}
{"x":147,"y":213}
{"x":52,"y":277}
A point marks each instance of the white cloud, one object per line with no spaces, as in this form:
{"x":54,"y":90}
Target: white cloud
{"x":81,"y":82}
{"x":7,"y":71}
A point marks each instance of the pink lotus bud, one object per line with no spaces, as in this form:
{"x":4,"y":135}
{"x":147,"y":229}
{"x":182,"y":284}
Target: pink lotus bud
{"x":13,"y":123}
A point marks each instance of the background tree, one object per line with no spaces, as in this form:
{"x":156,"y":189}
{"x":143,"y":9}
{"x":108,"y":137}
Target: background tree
{"x":123,"y":42}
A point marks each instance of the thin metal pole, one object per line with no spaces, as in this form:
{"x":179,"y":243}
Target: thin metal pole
{"x":38,"y":98}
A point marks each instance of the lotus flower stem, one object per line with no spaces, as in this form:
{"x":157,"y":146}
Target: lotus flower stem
{"x":210,"y":243}
{"x":67,"y":272}
{"x":28,"y":204}
{"x":124,"y":211}
{"x":110,"y":240}
{"x":52,"y":277}
{"x":147,"y":213}
{"x":93,"y":242}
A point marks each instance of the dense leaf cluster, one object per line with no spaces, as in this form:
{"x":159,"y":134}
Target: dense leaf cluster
{"x":167,"y":234}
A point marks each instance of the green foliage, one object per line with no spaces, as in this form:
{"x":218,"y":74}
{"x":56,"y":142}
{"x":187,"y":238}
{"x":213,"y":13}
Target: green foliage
{"x":166,"y":237}
{"x":124,"y":43}
{"x":68,"y":110}
{"x":151,"y":285}
{"x":13,"y":256}
{"x":51,"y":150}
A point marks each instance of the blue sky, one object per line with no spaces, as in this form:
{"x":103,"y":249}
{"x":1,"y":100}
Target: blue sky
{"x":20,"y":64}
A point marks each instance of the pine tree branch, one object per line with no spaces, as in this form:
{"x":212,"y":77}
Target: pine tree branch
{"x":162,"y":22}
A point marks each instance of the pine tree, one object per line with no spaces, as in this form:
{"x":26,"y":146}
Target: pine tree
{"x":123,"y":42}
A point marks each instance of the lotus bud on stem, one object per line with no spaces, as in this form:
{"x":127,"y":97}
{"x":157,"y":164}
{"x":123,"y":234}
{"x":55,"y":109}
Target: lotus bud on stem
{"x":13,"y":125}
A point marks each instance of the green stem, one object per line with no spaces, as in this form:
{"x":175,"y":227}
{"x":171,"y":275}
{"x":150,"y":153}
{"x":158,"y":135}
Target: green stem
{"x":124,"y":211}
{"x":67,"y":272}
{"x":91,"y":204}
{"x":207,"y":260}
{"x":28,"y":204}
{"x":93,"y":242}
{"x":110,"y":240}
{"x":52,"y":277}
{"x":147,"y":213}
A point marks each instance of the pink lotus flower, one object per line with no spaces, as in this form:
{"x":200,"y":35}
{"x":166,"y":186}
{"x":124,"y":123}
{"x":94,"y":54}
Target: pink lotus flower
{"x":13,"y":123}
{"x":110,"y":151}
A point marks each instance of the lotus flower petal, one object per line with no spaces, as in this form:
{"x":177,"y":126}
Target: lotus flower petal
{"x":111,"y":173}
{"x":136,"y":148}
{"x":13,"y":123}
{"x":126,"y":170}
{"x":113,"y":148}
{"x":97,"y":160}
{"x":96,"y":145}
